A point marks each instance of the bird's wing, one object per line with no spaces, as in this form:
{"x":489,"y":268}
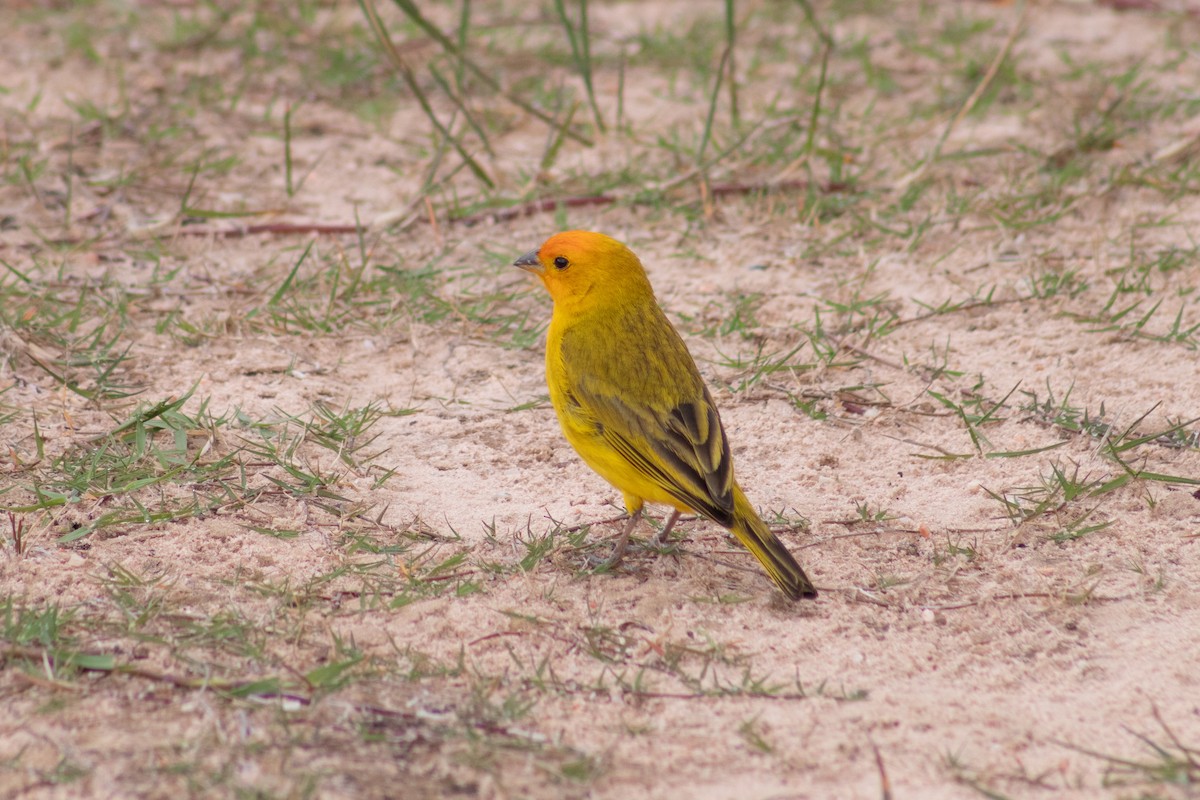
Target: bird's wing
{"x":682,"y":448}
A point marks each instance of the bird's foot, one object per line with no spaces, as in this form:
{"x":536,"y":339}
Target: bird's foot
{"x":622,"y":543}
{"x":661,"y":538}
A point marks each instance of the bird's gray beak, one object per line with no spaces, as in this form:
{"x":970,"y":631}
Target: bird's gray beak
{"x":529,"y":262}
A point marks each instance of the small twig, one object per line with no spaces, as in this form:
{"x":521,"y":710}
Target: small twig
{"x":876,"y":532}
{"x":885,"y":784}
{"x":582,"y":525}
{"x":864,"y":596}
{"x":496,"y":635}
{"x":853,"y":348}
{"x":798,"y":185}
{"x":37,"y":653}
{"x":497,"y":215}
{"x":926,"y":445}
{"x":18,"y":532}
{"x":47,"y":683}
{"x":433,"y":223}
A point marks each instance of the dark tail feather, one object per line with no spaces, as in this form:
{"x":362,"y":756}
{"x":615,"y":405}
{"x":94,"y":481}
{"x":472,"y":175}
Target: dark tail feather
{"x":766,"y":547}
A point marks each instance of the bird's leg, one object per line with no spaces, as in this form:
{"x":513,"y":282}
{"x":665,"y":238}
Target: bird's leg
{"x":623,"y":542}
{"x":660,"y":538}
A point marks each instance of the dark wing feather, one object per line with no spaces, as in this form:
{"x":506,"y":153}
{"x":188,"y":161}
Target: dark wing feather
{"x":687,"y":456}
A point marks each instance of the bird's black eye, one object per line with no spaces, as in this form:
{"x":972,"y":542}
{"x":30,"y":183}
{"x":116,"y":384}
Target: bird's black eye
{"x":561,"y":263}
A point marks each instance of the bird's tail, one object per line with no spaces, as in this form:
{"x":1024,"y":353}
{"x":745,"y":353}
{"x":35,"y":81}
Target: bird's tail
{"x":752,"y":532}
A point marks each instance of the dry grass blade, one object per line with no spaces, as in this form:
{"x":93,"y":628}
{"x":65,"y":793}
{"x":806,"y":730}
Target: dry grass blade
{"x":984,"y":82}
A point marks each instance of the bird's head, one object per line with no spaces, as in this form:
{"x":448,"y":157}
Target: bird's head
{"x":588,"y":269}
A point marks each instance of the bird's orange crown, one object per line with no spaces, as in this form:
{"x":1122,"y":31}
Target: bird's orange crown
{"x":584,"y":266}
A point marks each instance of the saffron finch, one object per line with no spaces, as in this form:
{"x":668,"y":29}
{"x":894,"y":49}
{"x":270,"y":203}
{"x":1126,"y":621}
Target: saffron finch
{"x":632,"y":403}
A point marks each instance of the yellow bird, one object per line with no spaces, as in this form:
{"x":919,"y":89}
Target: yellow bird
{"x":632,"y":403}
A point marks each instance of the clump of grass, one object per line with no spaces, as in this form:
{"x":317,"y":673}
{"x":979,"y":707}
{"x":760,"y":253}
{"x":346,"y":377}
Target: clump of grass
{"x":1165,"y":763}
{"x":1062,"y":494}
{"x":165,"y":461}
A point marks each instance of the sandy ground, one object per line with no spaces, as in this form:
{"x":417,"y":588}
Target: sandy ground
{"x":954,"y":650}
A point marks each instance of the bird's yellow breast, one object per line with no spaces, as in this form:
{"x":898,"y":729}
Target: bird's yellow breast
{"x":579,"y":423}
